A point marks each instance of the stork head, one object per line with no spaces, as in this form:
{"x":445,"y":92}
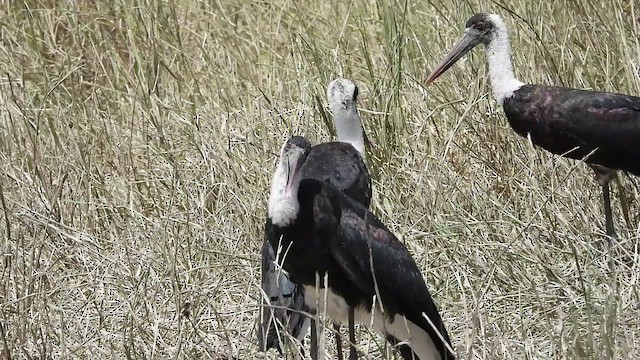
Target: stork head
{"x":283,"y":201}
{"x":342,"y":94}
{"x":292,"y":156}
{"x":479,"y":29}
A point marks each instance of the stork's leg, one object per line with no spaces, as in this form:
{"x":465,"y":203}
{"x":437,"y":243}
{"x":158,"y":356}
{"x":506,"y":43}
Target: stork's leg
{"x":604,"y":175}
{"x":611,"y":233}
{"x":405,"y":350}
{"x":353,"y":355}
{"x":336,"y":329}
{"x":314,"y":340}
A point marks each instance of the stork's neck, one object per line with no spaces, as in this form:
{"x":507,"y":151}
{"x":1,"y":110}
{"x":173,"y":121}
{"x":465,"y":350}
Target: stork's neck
{"x":349,"y":126}
{"x":503,"y":82}
{"x":283,"y":201}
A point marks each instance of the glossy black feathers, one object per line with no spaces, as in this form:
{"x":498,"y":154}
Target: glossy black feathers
{"x":335,"y":235}
{"x":603,"y":128}
{"x":400,"y":284}
{"x":341,"y":165}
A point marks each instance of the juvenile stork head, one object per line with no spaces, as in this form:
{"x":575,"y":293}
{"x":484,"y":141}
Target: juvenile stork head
{"x":283,"y":200}
{"x":342,"y":95}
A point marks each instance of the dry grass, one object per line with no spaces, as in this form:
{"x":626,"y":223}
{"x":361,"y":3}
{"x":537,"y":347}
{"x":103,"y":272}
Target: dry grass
{"x":136,"y":149}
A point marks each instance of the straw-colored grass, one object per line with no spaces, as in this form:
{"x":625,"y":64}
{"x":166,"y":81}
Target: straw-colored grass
{"x":137,"y":142}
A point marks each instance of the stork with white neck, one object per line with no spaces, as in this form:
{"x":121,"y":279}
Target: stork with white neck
{"x":341,"y":164}
{"x":370,"y":275}
{"x":600,"y":128}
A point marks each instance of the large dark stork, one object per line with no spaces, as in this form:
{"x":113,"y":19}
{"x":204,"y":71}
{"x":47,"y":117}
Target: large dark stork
{"x":341,"y":164}
{"x":348,"y":263}
{"x":600,"y":128}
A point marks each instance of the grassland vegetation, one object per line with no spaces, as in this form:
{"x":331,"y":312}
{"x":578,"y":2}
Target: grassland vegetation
{"x":137,"y":141}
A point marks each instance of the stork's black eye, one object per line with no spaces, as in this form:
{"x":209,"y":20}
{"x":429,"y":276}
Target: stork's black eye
{"x":480,"y":25}
{"x":355,"y":93}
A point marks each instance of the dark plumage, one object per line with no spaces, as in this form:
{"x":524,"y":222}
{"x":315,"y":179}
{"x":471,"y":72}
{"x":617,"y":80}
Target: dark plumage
{"x":339,"y":164}
{"x":602,"y":128}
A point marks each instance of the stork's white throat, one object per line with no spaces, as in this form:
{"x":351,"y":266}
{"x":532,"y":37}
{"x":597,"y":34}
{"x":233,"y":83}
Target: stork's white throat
{"x":503,"y":81}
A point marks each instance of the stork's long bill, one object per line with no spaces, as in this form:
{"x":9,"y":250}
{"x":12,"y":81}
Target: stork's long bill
{"x":293,"y":155}
{"x":468,"y":41}
{"x":293,"y":164}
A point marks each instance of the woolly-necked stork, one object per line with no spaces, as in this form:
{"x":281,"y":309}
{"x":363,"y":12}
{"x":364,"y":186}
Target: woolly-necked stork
{"x":341,"y":164}
{"x":326,"y":237}
{"x":601,"y":128}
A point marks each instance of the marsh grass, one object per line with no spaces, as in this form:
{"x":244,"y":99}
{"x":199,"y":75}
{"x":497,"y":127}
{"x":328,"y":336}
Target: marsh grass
{"x":137,"y":141}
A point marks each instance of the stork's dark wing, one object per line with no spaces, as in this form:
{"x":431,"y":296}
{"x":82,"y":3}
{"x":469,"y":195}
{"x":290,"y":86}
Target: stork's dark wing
{"x":282,"y":313}
{"x":364,"y":243}
{"x":579,"y":123}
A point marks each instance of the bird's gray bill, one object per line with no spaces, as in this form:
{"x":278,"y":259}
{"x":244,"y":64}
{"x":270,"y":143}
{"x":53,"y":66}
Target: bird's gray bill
{"x":466,"y":43}
{"x":293,"y":168}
